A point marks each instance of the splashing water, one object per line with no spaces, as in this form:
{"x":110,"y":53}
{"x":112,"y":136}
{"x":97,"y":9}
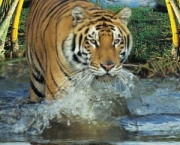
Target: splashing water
{"x":93,"y":104}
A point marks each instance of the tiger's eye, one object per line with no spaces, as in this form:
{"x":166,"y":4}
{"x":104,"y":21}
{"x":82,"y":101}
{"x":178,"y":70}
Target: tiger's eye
{"x":93,"y":41}
{"x":116,"y":41}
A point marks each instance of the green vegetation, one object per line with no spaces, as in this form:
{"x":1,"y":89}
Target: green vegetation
{"x":151,"y":33}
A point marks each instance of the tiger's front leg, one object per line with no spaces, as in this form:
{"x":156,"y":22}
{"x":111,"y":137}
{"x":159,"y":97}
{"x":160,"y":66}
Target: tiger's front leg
{"x":37,"y":86}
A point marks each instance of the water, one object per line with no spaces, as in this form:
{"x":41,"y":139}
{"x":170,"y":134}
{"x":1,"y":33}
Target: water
{"x":151,"y":116}
{"x":128,"y":3}
{"x":85,"y":106}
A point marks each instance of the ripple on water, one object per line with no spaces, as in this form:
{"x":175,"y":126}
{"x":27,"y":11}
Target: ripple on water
{"x":159,"y":114}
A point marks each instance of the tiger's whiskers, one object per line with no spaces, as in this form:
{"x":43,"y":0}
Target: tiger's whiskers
{"x":83,"y":79}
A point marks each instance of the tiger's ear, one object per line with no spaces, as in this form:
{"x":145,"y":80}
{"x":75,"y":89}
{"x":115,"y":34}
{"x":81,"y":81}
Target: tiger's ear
{"x":123,"y":15}
{"x":78,"y":14}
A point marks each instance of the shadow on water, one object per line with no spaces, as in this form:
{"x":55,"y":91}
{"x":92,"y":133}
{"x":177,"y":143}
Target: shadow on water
{"x":151,"y":118}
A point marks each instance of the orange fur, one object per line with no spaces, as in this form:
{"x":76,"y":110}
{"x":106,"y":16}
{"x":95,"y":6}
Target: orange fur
{"x":55,"y":26}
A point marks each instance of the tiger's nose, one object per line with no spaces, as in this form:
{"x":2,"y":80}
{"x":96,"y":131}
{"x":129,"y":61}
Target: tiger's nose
{"x":108,"y":65}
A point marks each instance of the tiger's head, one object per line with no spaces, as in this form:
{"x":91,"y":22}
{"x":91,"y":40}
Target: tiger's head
{"x":100,"y":41}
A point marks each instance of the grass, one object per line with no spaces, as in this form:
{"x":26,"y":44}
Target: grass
{"x":151,"y":33}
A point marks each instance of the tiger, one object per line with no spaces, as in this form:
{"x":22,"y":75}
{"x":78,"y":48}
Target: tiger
{"x":69,"y":37}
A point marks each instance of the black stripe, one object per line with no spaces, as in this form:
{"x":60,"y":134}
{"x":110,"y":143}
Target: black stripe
{"x":121,"y":32}
{"x":123,"y":53}
{"x":74,"y":43}
{"x":47,"y":85}
{"x":34,"y":13}
{"x":96,"y":44}
{"x":60,"y":67}
{"x":39,"y":78}
{"x":86,"y":31}
{"x":75,"y":58}
{"x":79,"y":53}
{"x":128,"y":41}
{"x":97,"y":15}
{"x":90,"y":36}
{"x":125,"y":41}
{"x":38,"y":60}
{"x":52,"y":78}
{"x":84,"y":63}
{"x":95,"y":9}
{"x":83,"y":53}
{"x":53,"y":8}
{"x":104,"y":19}
{"x":110,"y":16}
{"x":98,"y":28}
{"x":39,"y":94}
{"x":112,"y":29}
{"x":80,"y":40}
{"x":122,"y":60}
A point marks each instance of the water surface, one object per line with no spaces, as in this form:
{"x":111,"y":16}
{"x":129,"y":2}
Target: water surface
{"x":128,"y":3}
{"x":153,"y":116}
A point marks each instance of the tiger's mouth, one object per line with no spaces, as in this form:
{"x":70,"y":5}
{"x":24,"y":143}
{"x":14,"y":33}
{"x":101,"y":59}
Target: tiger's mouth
{"x":105,"y":78}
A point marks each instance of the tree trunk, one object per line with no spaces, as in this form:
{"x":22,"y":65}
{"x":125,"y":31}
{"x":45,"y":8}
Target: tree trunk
{"x":14,"y":33}
{"x":4,"y":25}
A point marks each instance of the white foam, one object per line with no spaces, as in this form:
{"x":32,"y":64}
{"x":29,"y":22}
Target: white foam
{"x":91,"y":105}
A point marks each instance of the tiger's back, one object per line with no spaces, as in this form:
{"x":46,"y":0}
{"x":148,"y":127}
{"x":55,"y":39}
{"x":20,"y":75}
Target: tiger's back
{"x":58,"y":45}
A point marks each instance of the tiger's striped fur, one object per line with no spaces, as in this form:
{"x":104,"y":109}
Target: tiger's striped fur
{"x":69,"y":36}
